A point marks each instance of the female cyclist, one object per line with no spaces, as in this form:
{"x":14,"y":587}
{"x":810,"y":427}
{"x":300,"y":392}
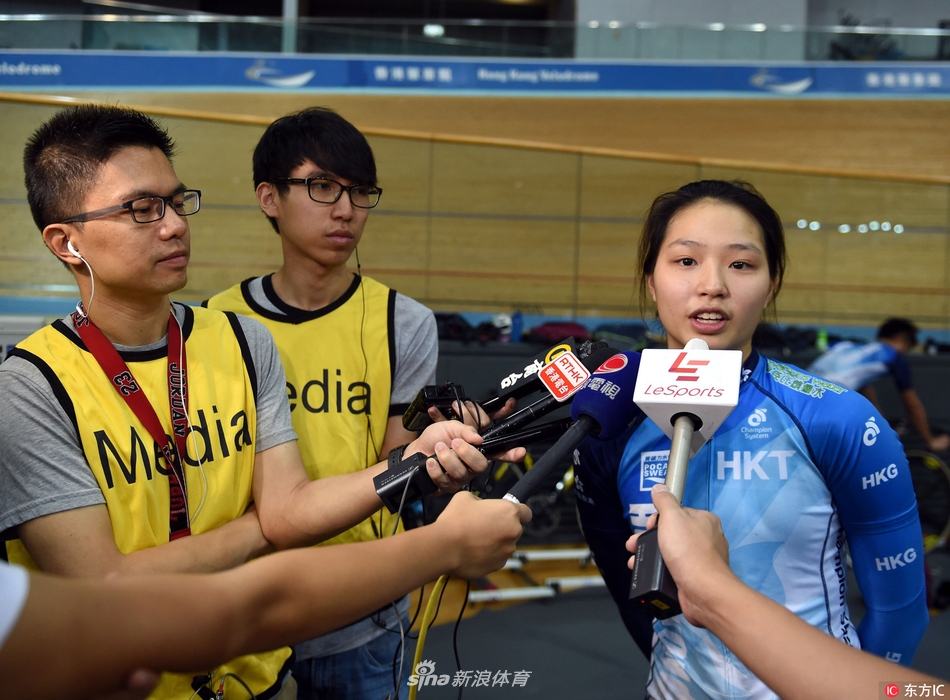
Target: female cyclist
{"x":799,"y":467}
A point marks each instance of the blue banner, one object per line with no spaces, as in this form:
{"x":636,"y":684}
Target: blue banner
{"x":21,"y":70}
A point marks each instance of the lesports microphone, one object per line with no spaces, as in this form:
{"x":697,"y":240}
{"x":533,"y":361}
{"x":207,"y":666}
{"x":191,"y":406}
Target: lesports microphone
{"x":604,"y":408}
{"x":548,"y":403}
{"x":688,"y":393}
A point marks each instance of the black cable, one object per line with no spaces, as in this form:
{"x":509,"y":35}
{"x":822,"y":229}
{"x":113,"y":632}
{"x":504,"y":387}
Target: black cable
{"x":377,"y":620}
{"x":455,"y":633}
{"x":396,"y":680}
{"x":439,"y":604}
{"x":241,"y":681}
{"x":402,"y":500}
{"x":412,"y":622}
{"x":399,"y":650}
{"x":415,"y":615}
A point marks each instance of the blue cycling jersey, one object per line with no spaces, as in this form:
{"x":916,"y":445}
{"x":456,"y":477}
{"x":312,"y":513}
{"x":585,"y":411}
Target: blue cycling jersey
{"x":855,"y":365}
{"x":799,"y":466}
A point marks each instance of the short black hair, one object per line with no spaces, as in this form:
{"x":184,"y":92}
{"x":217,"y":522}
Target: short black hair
{"x":894,"y":328}
{"x":63,"y":157}
{"x":317,"y":134}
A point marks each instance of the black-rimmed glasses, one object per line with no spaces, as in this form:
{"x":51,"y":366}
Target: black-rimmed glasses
{"x":327,"y":191}
{"x":145,"y":210}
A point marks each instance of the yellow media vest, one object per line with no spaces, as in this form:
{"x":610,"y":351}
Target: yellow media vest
{"x":125,"y":460}
{"x":339,"y":362}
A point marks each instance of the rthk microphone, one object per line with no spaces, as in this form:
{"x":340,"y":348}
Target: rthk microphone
{"x":524,"y":380}
{"x":603,"y":407}
{"x":549,"y":402}
{"x":516,"y":384}
{"x":688,"y":393}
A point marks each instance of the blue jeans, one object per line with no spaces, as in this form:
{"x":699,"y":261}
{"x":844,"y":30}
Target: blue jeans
{"x":364,"y":673}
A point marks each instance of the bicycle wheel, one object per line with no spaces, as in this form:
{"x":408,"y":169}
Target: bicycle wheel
{"x":931,"y":479}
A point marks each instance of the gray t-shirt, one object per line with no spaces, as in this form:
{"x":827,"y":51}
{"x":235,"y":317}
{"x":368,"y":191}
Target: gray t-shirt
{"x":42,"y":467}
{"x":416,"y":341}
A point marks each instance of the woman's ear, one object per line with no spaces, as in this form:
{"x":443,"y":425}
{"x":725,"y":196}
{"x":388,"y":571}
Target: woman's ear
{"x":650,"y":288}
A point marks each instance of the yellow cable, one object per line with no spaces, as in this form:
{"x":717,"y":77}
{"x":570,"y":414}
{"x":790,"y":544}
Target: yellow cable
{"x":424,"y":627}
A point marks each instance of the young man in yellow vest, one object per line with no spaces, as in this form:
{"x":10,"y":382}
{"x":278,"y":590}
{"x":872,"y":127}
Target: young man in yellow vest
{"x":355,"y":353}
{"x":137,"y":435}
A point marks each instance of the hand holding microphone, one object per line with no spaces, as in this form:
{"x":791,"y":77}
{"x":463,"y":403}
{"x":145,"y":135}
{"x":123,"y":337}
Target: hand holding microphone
{"x":688,"y":393}
{"x":406,"y":480}
{"x":603,"y":407}
{"x":448,"y":401}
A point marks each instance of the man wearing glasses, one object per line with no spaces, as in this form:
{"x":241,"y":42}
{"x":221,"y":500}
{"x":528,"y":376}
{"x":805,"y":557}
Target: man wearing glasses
{"x":138,"y":435}
{"x":355,"y":353}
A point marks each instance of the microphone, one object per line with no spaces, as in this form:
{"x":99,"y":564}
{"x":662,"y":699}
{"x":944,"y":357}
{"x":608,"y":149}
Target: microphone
{"x":688,"y":393}
{"x":515,"y":385}
{"x":406,"y":480}
{"x":524,"y":380}
{"x":549,"y":402}
{"x":603,"y":408}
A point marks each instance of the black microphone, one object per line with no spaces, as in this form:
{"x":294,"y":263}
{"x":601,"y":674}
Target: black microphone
{"x":524,"y":379}
{"x":530,"y":435}
{"x":604,"y":408}
{"x":406,"y":480}
{"x":548,"y":403}
{"x":516,"y":384}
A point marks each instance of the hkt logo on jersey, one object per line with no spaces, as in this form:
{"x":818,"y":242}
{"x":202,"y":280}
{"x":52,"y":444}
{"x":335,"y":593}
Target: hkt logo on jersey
{"x":687,"y":369}
{"x":702,"y":382}
{"x":564,"y":375}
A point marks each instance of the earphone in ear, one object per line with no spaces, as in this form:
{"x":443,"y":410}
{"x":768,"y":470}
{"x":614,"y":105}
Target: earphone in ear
{"x":72,"y":249}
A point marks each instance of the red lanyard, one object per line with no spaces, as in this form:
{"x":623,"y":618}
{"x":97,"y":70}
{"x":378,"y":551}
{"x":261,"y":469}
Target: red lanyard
{"x":115,"y":368}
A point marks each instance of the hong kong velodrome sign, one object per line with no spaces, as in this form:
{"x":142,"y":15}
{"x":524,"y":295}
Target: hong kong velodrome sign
{"x":276,"y":72}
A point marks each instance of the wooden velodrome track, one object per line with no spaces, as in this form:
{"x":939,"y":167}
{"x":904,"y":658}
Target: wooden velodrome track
{"x":468,"y":226}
